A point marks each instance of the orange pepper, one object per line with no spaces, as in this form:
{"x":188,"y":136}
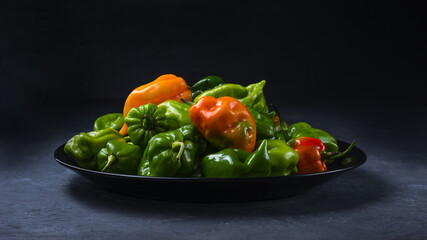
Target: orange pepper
{"x":165,"y":87}
{"x":225,"y":122}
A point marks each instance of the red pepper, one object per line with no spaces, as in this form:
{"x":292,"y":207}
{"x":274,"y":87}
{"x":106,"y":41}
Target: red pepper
{"x":310,"y":151}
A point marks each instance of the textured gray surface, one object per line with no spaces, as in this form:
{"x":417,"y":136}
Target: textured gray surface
{"x":383,"y":199}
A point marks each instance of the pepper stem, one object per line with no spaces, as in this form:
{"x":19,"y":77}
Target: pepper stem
{"x":189,"y":103}
{"x":332,"y":155}
{"x":181,"y":149}
{"x":326,"y":155}
{"x":276,"y":110}
{"x":342,"y":154}
{"x":110,"y":160}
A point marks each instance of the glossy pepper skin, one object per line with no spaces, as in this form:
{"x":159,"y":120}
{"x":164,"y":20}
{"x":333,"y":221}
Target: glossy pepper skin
{"x":296,"y":127}
{"x":259,"y":162}
{"x":172,"y":154}
{"x":284,"y":159}
{"x":147,"y":120}
{"x":165,"y":87}
{"x":302,"y":129}
{"x":251,"y":96}
{"x":119,"y":157}
{"x":264,"y":125}
{"x":232,"y":163}
{"x":227,"y":163}
{"x":225,"y":122}
{"x":206,"y":83}
{"x":191,"y":133}
{"x":310,"y":154}
{"x":110,"y":120}
{"x":84,"y":147}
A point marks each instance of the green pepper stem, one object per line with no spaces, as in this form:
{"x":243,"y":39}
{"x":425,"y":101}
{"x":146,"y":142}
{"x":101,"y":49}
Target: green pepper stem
{"x":111,"y":159}
{"x":341,"y":154}
{"x":348,"y":149}
{"x":326,"y":155}
{"x":181,"y":149}
{"x":189,"y":103}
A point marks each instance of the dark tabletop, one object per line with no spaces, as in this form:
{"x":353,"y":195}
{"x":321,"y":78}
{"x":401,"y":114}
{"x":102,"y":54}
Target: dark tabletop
{"x":384,"y":198}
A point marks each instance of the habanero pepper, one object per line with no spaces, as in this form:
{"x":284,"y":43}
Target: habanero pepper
{"x":147,"y":120}
{"x":165,"y":87}
{"x":251,"y":96}
{"x":234,"y":162}
{"x":173,"y":153}
{"x":84,"y":147}
{"x":225,"y":122}
{"x":119,"y":157}
{"x":205,"y":84}
{"x":168,"y":155}
{"x":303,"y":129}
{"x":264,"y":125}
{"x":110,"y":120}
{"x":284,"y":159}
{"x":310,"y":154}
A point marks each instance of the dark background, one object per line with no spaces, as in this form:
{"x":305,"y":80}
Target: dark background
{"x":354,"y":68}
{"x":68,"y":50}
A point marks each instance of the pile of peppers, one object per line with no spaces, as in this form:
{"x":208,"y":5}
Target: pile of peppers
{"x":211,"y":129}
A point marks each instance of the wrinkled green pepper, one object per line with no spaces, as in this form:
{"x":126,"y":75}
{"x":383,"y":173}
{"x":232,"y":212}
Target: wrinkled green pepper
{"x":231,"y":163}
{"x":264,"y":125}
{"x":84,"y":147}
{"x":251,"y":96}
{"x":119,"y":157}
{"x":191,"y":133}
{"x":284,"y":159}
{"x":110,"y":120}
{"x":205,"y":84}
{"x":172,"y":153}
{"x":147,"y":120}
{"x":302,"y":129}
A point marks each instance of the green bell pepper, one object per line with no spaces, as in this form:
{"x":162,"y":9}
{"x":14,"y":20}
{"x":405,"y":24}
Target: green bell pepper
{"x":231,"y":163}
{"x":284,"y":159}
{"x":206,"y":83}
{"x":251,"y":96}
{"x":147,"y":120}
{"x":110,"y":120}
{"x":84,"y":147}
{"x":302,"y":129}
{"x":119,"y":157}
{"x":172,"y":153}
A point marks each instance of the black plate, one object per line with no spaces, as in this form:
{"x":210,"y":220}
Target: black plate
{"x":214,"y":189}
